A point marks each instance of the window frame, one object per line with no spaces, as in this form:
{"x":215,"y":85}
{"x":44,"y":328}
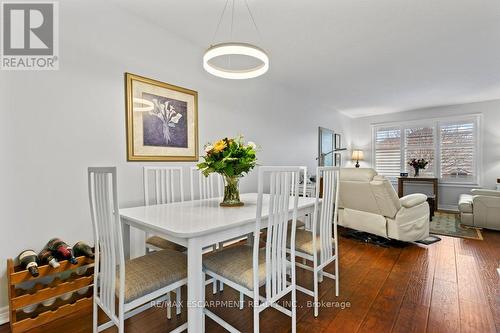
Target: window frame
{"x":436,"y":123}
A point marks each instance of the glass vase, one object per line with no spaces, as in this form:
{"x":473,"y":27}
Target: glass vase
{"x":417,"y":172}
{"x":231,"y":192}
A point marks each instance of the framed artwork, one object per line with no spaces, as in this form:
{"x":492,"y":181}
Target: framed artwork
{"x":338,"y":159}
{"x":338,"y":141}
{"x":162,"y":121}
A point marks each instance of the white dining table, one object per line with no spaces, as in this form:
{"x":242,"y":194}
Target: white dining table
{"x":197,"y":224}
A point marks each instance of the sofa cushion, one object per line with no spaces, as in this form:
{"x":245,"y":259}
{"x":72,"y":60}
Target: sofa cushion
{"x":465,"y":203}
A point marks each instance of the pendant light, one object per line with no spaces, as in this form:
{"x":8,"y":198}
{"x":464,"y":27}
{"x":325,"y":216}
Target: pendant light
{"x":235,"y":48}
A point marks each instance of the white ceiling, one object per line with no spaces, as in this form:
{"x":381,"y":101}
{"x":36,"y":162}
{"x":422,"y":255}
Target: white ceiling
{"x":361,"y":57}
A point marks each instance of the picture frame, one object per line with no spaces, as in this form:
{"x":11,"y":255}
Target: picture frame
{"x":161,"y":121}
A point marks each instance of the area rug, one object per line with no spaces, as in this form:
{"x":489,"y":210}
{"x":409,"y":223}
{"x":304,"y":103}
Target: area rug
{"x":448,"y":224}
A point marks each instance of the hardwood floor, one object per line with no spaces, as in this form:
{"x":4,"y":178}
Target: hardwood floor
{"x":451,"y":286}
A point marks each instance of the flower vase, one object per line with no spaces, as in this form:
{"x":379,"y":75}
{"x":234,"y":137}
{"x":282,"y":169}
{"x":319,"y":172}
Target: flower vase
{"x":231,"y":192}
{"x":417,"y":172}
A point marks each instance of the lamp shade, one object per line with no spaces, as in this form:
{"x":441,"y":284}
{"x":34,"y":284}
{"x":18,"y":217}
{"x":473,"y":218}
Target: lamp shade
{"x":357,"y":155}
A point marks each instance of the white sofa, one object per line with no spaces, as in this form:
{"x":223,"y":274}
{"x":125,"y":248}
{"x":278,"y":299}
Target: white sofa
{"x":369,"y":203}
{"x":480,"y":209}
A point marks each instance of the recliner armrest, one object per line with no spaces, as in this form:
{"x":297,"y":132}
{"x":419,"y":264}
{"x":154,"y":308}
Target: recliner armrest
{"x":489,"y":193}
{"x":413,"y":200}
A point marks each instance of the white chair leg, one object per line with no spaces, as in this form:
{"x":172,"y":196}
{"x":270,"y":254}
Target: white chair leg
{"x":315,"y":278}
{"x":169,"y":308}
{"x":255,"y":318}
{"x":95,"y":318}
{"x":178,"y":301}
{"x":121,"y":323}
{"x":337,"y":287}
{"x":204,"y":277}
{"x":294,"y":310}
{"x":214,"y":286}
{"x":221,"y":286}
{"x":242,"y":300}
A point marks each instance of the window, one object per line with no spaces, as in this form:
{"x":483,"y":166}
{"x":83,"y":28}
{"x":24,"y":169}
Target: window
{"x":458,"y":151}
{"x":388,"y":151}
{"x":450,"y":146}
{"x":420,"y":143}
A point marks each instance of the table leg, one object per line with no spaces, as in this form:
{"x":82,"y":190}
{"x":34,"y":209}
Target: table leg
{"x":126,"y":239}
{"x":195,"y":298}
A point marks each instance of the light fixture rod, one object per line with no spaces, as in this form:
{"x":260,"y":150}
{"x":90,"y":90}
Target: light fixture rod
{"x":253,"y":20}
{"x":220,"y":21}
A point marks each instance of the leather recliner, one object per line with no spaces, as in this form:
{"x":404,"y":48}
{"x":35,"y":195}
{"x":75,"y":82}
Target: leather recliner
{"x":369,"y":203}
{"x":480,"y":209}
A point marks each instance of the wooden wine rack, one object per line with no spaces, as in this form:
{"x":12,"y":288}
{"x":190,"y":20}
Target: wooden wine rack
{"x":40,"y":292}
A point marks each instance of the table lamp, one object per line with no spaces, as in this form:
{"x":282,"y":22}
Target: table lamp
{"x":357,"y":155}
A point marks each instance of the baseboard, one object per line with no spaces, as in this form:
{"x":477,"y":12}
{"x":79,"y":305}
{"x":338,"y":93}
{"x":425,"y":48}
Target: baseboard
{"x":449,"y":208}
{"x":4,"y":315}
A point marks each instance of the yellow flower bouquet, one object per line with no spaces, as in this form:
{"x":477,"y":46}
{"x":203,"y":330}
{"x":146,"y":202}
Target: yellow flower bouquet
{"x":231,"y":158}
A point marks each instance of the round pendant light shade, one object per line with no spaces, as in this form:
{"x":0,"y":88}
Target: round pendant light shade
{"x":228,"y":49}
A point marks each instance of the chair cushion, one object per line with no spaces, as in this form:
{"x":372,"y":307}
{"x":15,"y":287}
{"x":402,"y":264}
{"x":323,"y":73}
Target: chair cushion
{"x":235,"y":263}
{"x":151,"y":272}
{"x":304,"y":241}
{"x":299,"y":224}
{"x":164,"y":244}
{"x":465,"y":203}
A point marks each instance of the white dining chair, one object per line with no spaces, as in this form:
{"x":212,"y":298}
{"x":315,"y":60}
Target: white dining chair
{"x":317,"y":245}
{"x":132,"y":284}
{"x":246,"y":268}
{"x":210,"y":187}
{"x":207,"y":187}
{"x":301,"y":222}
{"x":162,"y":185}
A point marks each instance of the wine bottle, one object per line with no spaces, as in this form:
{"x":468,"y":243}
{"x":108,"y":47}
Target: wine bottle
{"x":83,"y":249}
{"x":28,"y":260}
{"x":61,"y":250}
{"x":46,"y":257}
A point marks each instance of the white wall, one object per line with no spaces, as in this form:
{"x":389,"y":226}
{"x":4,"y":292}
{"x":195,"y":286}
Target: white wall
{"x":54,"y":125}
{"x":361,"y":138}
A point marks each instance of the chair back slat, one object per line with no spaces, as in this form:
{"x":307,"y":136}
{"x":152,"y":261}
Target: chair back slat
{"x":281,"y":180}
{"x":163,"y":185}
{"x":326,"y":214}
{"x":109,"y":257}
{"x":303,"y":171}
{"x":207,"y":187}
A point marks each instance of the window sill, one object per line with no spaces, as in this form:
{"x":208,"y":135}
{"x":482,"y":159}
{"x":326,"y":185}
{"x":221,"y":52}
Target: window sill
{"x":444,"y":184}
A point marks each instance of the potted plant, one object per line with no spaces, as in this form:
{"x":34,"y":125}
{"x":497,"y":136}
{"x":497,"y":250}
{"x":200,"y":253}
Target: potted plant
{"x":231,"y":158}
{"x":418,"y":164}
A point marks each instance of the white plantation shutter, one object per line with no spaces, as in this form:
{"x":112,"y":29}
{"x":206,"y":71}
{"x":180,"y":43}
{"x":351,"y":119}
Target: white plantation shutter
{"x":458,"y":151}
{"x":450,"y":146}
{"x":420,"y":143}
{"x":388,"y":151}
